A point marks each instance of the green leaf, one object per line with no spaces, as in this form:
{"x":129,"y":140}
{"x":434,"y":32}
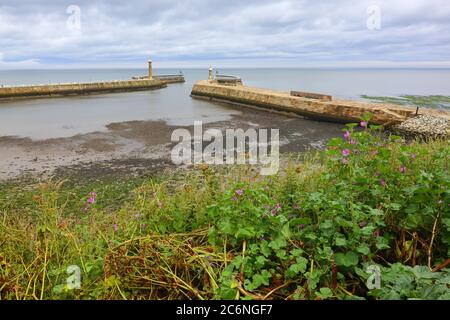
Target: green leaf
{"x":346,"y":259}
{"x":324,"y":293}
{"x":299,"y":267}
{"x":364,"y":249}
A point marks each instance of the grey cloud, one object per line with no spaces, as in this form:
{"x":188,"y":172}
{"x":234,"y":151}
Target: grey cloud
{"x":298,"y":32}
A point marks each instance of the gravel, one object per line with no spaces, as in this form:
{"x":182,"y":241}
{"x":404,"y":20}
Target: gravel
{"x":425,"y":126}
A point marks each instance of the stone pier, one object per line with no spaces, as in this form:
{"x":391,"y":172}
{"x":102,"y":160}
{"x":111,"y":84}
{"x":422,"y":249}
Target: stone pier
{"x":315,"y":106}
{"x":51,"y":90}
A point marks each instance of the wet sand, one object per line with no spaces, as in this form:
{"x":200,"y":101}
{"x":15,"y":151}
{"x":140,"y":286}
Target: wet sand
{"x":142,"y":147}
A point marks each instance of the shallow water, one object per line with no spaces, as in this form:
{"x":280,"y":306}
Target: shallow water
{"x":68,"y":116}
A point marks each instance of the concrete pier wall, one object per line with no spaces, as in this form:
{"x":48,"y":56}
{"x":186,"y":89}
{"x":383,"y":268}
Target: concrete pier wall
{"x":170,"y":78}
{"x":336,"y":110}
{"x":80,"y":88}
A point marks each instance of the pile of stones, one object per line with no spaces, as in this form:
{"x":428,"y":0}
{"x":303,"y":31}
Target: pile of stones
{"x":424,"y":126}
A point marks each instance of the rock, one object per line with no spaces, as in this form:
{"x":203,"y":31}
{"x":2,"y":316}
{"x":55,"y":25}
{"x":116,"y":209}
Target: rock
{"x":424,"y":126}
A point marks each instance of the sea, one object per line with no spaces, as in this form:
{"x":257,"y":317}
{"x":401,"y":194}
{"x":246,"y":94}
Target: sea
{"x":47,"y":118}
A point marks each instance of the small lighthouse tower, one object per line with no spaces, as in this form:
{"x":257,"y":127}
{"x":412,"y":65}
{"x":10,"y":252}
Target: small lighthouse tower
{"x":210,"y":73}
{"x":150,"y":70}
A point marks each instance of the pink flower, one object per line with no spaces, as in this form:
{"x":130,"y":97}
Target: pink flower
{"x":94,"y":194}
{"x":239,"y":192}
{"x":352,"y":141}
{"x":402,"y":169}
{"x":116,"y":227}
{"x":347,"y":135}
{"x":363,"y":124}
{"x":413,"y":156}
{"x":234,"y":199}
{"x":345,"y":161}
{"x":91,"y":200}
{"x":345,"y":152}
{"x":382,"y":183}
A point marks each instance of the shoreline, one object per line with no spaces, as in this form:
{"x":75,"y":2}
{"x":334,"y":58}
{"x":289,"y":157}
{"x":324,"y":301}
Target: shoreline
{"x":140,"y":147}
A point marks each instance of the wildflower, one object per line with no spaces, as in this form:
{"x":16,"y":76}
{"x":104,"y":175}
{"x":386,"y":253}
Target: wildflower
{"x":382,"y":183}
{"x":346,"y":152}
{"x":239,"y":192}
{"x":363,"y":124}
{"x":91,"y":200}
{"x":273,"y":212}
{"x":352,"y":141}
{"x":413,"y":156}
{"x":278,"y":206}
{"x":345,"y":161}
{"x":347,"y":135}
{"x":234,"y":199}
{"x":116,"y":227}
{"x":94,"y":194}
{"x":402,"y":169}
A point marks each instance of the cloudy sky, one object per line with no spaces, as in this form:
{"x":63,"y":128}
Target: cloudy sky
{"x":231,"y":33}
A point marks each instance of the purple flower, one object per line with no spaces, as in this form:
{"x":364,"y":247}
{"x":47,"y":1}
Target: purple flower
{"x":239,"y":192}
{"x":234,"y":199}
{"x":413,"y":156}
{"x":382,"y":183}
{"x":402,"y":169}
{"x":94,"y":194}
{"x":347,"y":135}
{"x":116,"y":227}
{"x":273,"y":212}
{"x":278,"y":206}
{"x":346,"y":152}
{"x":363,"y":124}
{"x":91,"y":200}
{"x":352,"y":141}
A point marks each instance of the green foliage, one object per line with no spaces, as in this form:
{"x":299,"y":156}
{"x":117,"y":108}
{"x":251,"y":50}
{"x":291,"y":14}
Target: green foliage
{"x":404,"y":282}
{"x":308,"y":232}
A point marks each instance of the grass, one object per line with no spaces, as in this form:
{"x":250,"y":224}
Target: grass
{"x":309,"y":232}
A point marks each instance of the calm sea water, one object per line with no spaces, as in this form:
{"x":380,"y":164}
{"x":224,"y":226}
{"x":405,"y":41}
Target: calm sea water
{"x":67,"y":116}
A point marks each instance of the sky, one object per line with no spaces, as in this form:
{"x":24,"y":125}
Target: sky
{"x":231,"y":33}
